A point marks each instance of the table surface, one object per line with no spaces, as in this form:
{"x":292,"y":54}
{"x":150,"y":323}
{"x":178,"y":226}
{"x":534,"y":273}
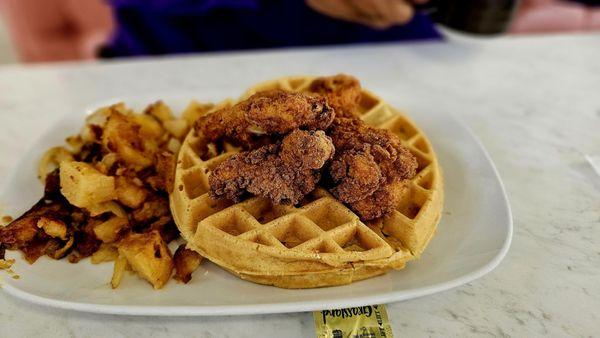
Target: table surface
{"x":534,"y":102}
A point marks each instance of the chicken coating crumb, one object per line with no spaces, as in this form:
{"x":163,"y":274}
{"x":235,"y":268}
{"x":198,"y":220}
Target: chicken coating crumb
{"x":356,"y":174}
{"x":283,"y":172}
{"x":265,"y":113}
{"x":368,"y":167}
{"x":341,"y":91}
{"x":380,"y":203}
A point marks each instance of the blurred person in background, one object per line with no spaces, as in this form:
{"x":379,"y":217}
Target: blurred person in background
{"x":183,"y":26}
{"x":545,"y":16}
{"x":49,"y":30}
{"x":53,"y":30}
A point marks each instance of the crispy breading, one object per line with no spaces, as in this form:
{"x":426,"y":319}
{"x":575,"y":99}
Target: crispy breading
{"x":283,"y":172}
{"x":355,"y":174}
{"x":341,"y":91}
{"x":367,"y":167}
{"x":353,"y":133}
{"x":265,"y":113}
{"x":381,"y":202}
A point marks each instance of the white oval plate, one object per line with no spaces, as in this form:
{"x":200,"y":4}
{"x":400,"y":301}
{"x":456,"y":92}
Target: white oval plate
{"x":472,"y":238}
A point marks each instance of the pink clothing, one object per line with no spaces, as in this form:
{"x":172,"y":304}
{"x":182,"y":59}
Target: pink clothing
{"x":538,"y":16}
{"x":53,"y":30}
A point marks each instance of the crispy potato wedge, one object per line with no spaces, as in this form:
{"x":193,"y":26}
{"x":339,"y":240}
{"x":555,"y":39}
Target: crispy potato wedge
{"x":149,"y":127}
{"x":122,"y":136}
{"x":186,"y":262}
{"x":84,"y":186}
{"x":160,"y":110}
{"x":107,"y":162}
{"x":109,"y":230}
{"x":148,"y":256}
{"x":177,"y":127}
{"x":130,"y":194}
{"x":106,"y":195}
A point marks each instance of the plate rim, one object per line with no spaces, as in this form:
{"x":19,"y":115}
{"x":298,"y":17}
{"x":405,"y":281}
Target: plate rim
{"x":267,"y":308}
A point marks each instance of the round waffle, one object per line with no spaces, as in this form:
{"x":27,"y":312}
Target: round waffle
{"x":319,"y":242}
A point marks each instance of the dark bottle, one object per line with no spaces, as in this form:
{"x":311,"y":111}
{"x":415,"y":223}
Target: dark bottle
{"x":484,"y":17}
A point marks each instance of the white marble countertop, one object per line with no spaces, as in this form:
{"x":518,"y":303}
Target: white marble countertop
{"x":534,"y":103}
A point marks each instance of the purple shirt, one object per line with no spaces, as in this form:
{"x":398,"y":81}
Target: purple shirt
{"x":147,"y":27}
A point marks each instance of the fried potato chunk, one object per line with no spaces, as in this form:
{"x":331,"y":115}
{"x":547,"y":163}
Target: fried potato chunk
{"x":84,"y":186}
{"x":51,"y":160}
{"x":121,"y":166}
{"x":178,"y":127}
{"x":130,"y":194}
{"x":123,"y":136}
{"x":194,"y":110}
{"x":109,"y":230}
{"x":102,"y":208}
{"x":149,"y":256}
{"x":159,"y":110}
{"x":186,"y":262}
{"x":149,"y":127}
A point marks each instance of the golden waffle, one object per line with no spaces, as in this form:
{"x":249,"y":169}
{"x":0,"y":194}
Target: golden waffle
{"x":320,"y":242}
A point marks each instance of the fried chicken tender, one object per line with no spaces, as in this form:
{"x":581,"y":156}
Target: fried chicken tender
{"x":357,"y":173}
{"x":382,"y":201}
{"x":368,"y":166}
{"x":265,"y":113}
{"x":284,"y":172}
{"x":341,"y":91}
{"x":386,"y":148}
